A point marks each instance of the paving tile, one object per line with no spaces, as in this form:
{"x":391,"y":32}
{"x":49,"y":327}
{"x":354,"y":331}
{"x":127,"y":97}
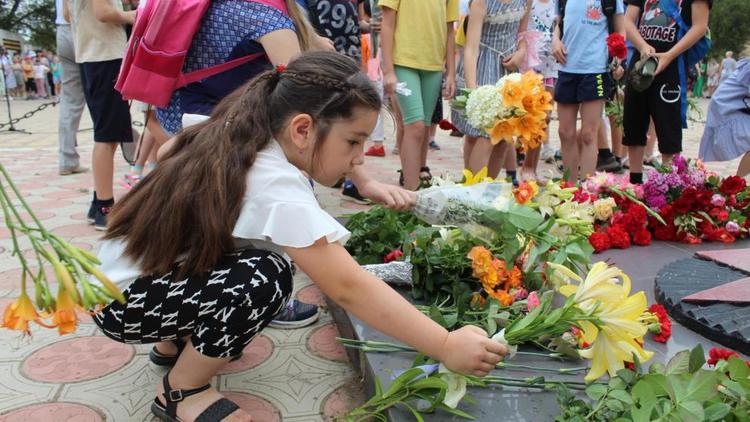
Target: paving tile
{"x":53,"y":412}
{"x":17,"y":391}
{"x":736,"y":258}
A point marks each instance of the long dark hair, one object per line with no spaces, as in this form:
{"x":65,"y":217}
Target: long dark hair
{"x":189,"y":204}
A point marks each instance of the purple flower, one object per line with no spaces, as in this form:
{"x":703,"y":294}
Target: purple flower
{"x":680,"y":163}
{"x":732,"y":227}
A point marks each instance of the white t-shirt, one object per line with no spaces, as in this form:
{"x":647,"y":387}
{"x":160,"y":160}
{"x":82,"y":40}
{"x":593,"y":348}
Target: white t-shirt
{"x":40,"y":71}
{"x":279,"y":210}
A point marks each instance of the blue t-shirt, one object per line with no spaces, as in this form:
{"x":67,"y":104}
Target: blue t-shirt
{"x":585,"y":36}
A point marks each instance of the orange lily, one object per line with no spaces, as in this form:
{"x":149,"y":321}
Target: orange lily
{"x":512,"y":94}
{"x":18,"y":314}
{"x":504,"y":130}
{"x":65,"y":318}
{"x":526,"y":191}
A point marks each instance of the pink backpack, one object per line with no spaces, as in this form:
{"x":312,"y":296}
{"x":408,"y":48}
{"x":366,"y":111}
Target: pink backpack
{"x":152,"y":67}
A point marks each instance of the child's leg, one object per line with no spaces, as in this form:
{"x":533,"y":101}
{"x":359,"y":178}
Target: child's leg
{"x":616,"y":134}
{"x":666,"y":111}
{"x":636,"y":116}
{"x":567,"y":115}
{"x":378,"y":134}
{"x":432,"y":83}
{"x":530,"y":162}
{"x":469,"y":143}
{"x":483,"y":155}
{"x":102,"y":160}
{"x":412,"y":109}
{"x":40,"y":90}
{"x":744,"y":168}
{"x":213,"y":309}
{"x":591,"y":120}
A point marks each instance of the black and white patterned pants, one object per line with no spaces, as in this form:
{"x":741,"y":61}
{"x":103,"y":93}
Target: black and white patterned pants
{"x":222,"y":310}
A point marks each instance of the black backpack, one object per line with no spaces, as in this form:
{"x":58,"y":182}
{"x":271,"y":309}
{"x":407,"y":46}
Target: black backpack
{"x":608,"y":6}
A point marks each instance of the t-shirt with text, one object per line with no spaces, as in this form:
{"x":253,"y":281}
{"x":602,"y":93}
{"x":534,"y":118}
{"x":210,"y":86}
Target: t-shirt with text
{"x":656,"y":27}
{"x":338,"y":21}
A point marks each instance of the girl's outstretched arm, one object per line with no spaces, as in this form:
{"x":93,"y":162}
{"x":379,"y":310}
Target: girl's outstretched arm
{"x":329,"y":265}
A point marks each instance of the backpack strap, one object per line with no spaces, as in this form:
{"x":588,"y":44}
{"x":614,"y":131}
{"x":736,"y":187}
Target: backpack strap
{"x":561,"y":12}
{"x":609,"y":7}
{"x":201,"y":74}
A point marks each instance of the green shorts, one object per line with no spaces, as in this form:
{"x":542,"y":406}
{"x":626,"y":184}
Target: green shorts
{"x":425,"y":86}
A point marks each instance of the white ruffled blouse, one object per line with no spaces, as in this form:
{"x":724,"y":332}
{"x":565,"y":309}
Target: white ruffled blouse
{"x":279,"y":210}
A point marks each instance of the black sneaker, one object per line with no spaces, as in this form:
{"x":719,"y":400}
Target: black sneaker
{"x":608,"y":164}
{"x":351,"y":193}
{"x":98,"y":216}
{"x":295,"y":315}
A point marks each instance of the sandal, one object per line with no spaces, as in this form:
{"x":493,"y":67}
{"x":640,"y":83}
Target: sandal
{"x":161,"y":359}
{"x":217,"y":411}
{"x":427,"y":175}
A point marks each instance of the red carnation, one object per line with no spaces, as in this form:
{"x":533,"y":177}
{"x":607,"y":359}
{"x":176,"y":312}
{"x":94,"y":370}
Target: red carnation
{"x":447,"y":125}
{"x":722,"y":235}
{"x":618,"y":237}
{"x":581,"y":196}
{"x":616,"y":46}
{"x":666,"y":232}
{"x":732,"y":185}
{"x":665,"y":324}
{"x":723,"y":216}
{"x":393,"y":256}
{"x":716,"y":354}
{"x":692,"y":239}
{"x":642,"y":237}
{"x":703,"y":199}
{"x":599,"y":241}
{"x":685,"y":203}
{"x":638,"y":218}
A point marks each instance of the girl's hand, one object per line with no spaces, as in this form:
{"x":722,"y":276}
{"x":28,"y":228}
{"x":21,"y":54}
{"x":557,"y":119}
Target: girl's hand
{"x":389,"y":82}
{"x":468,"y":351}
{"x":513,"y":62}
{"x":646,"y":50}
{"x":618,"y":72}
{"x":389,"y":196}
{"x":559,"y":52}
{"x":449,"y":90}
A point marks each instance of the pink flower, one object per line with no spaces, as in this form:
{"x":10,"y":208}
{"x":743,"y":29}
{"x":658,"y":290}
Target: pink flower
{"x":732,"y":227}
{"x":718,"y":200}
{"x":519,"y":294}
{"x":532,"y":301}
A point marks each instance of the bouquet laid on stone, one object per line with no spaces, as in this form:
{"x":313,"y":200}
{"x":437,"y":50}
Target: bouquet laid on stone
{"x":696,"y":204}
{"x":71,"y":265}
{"x":515,"y":108}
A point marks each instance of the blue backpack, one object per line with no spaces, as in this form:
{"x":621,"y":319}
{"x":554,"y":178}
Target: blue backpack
{"x":698,"y":51}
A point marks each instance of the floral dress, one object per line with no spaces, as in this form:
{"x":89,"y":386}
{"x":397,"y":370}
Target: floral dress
{"x":498,"y":41}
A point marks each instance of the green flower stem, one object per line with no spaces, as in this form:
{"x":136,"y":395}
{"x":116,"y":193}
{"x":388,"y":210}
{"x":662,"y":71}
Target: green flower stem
{"x":5,"y":201}
{"x":505,"y":365}
{"x":26,"y":206}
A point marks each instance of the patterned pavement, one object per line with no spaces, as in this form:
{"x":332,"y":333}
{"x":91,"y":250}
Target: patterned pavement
{"x":293,"y":375}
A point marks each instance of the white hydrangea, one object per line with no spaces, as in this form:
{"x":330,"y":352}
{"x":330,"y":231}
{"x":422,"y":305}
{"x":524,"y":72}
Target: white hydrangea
{"x":483,"y":106}
{"x":513,"y":77}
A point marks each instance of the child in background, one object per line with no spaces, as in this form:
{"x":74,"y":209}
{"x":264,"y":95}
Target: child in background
{"x":219,"y":284}
{"x":56,"y":75}
{"x":40,"y":79}
{"x":727,"y":133}
{"x":417,"y":41}
{"x":661,"y":101}
{"x":494,"y":47}
{"x":584,"y":82}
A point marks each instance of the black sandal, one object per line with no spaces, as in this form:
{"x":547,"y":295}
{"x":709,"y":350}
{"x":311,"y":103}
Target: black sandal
{"x":169,"y":360}
{"x":428,"y":175}
{"x":217,"y":411}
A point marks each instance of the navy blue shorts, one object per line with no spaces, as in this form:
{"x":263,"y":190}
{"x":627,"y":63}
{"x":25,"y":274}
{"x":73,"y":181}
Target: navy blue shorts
{"x":109,"y":112}
{"x":576,"y":88}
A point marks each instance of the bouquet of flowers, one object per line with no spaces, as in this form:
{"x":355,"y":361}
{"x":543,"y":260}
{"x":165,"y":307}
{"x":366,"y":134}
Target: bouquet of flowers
{"x":516,"y":107}
{"x":697,"y":205}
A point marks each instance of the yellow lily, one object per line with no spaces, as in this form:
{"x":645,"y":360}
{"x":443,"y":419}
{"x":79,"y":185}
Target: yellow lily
{"x":618,"y":337}
{"x":472,"y":179}
{"x":600,"y":284}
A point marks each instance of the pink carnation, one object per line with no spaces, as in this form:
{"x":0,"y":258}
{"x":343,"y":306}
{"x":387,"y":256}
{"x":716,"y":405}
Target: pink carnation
{"x":532,"y":301}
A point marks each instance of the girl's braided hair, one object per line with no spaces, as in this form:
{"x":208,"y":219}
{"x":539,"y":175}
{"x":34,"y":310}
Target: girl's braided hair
{"x":189,"y":204}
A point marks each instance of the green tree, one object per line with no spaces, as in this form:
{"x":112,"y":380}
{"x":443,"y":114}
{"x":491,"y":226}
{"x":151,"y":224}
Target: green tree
{"x":32,"y":18}
{"x":729,"y":27}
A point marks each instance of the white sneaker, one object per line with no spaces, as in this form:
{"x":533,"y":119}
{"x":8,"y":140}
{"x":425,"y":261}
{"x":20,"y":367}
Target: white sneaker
{"x":547,"y":154}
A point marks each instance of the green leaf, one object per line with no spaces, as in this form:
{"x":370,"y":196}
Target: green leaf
{"x":402,"y":380}
{"x":596,"y":391}
{"x":738,"y":369}
{"x":524,"y":217}
{"x":429,"y":382}
{"x":621,"y":395}
{"x":679,"y":363}
{"x":697,"y":359}
{"x":414,"y":412}
{"x":626,"y":375}
{"x":614,"y":405}
{"x":702,"y":386}
{"x":643,"y":392}
{"x":617,"y":384}
{"x":691,"y":411}
{"x":717,"y":411}
{"x":459,"y":413}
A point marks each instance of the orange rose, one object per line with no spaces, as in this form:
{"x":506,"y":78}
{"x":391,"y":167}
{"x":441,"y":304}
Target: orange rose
{"x":526,"y":191}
